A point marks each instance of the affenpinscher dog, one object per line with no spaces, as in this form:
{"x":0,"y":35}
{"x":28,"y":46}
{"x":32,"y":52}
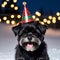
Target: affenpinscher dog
{"x":31,"y":45}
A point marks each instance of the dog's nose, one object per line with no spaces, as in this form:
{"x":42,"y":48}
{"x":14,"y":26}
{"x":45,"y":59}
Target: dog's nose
{"x":30,"y":37}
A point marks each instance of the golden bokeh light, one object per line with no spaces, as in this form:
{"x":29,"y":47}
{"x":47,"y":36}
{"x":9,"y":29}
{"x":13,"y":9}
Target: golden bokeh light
{"x":45,"y":20}
{"x":18,"y":16}
{"x":12,"y":5}
{"x":54,"y":21}
{"x":15,"y":1}
{"x":37,"y":19}
{"x":59,"y":18}
{"x":48,"y":22}
{"x":12,"y":16}
{"x":13,"y":22}
{"x":33,"y":16}
{"x":0,"y":20}
{"x":7,"y":21}
{"x":38,"y":13}
{"x":16,"y":8}
{"x":4,"y":18}
{"x":42,"y":23}
{"x":50,"y":17}
{"x":58,"y":13}
{"x":3,"y":5}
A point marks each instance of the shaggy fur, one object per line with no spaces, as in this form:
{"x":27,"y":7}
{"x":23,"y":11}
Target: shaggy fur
{"x":36,"y":29}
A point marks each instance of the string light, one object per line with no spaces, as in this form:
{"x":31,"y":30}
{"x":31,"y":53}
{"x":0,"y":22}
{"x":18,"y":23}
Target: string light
{"x":7,"y":21}
{"x":57,"y":13}
{"x":33,"y":16}
{"x":41,"y":22}
{"x":19,"y":16}
{"x":37,"y":19}
{"x":45,"y":20}
{"x":54,"y":20}
{"x":15,"y":1}
{"x":3,"y":5}
{"x":38,"y":13}
{"x":59,"y":18}
{"x":4,"y":18}
{"x":12,"y":22}
{"x":12,"y":5}
{"x":0,"y":20}
{"x":48,"y":22}
{"x":12,"y":16}
{"x":16,"y":8}
{"x":50,"y":17}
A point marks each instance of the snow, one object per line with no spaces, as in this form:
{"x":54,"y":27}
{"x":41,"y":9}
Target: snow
{"x":8,"y":43}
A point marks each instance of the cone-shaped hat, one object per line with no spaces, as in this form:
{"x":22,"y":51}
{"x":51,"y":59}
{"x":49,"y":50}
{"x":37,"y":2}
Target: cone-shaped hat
{"x":26,"y":16}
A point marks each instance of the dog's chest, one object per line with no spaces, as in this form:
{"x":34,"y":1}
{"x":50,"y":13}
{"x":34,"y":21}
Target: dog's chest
{"x":31,"y":58}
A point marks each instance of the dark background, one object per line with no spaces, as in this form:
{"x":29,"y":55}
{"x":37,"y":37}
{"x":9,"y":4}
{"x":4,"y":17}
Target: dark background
{"x":48,"y":5}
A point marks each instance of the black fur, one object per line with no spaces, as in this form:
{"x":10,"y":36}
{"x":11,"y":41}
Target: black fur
{"x":41,"y":52}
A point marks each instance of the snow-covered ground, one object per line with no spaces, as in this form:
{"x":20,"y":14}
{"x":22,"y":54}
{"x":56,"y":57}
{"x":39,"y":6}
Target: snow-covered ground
{"x":8,"y":42}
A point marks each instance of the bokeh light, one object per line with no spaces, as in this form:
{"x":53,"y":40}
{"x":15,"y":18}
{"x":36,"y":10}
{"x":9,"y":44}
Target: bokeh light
{"x":37,"y":19}
{"x":12,"y":16}
{"x":15,"y":1}
{"x":18,"y":16}
{"x":54,"y":20}
{"x":13,"y":22}
{"x":12,"y":5}
{"x":0,"y":20}
{"x":38,"y":13}
{"x":4,"y":18}
{"x":16,"y":8}
{"x":33,"y":16}
{"x":45,"y":20}
{"x":8,"y":21}
{"x":50,"y":17}
{"x":3,"y":5}
{"x":59,"y":18}
{"x":58,"y":13}
{"x":48,"y":22}
{"x":42,"y":23}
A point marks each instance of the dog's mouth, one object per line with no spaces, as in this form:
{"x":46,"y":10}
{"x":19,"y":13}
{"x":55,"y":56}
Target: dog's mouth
{"x":30,"y":46}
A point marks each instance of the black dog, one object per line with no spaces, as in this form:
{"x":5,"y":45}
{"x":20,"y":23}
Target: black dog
{"x":31,"y":45}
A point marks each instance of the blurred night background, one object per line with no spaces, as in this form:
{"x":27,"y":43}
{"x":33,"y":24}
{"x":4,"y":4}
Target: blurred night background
{"x":45,"y":11}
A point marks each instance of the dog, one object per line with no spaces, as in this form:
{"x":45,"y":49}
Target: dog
{"x":31,"y":44}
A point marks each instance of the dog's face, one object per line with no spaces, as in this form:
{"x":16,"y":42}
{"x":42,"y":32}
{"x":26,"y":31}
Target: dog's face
{"x":29,"y":39}
{"x":30,"y":35}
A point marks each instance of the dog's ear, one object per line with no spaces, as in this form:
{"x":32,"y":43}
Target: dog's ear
{"x":16,"y":29}
{"x":42,"y":28}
